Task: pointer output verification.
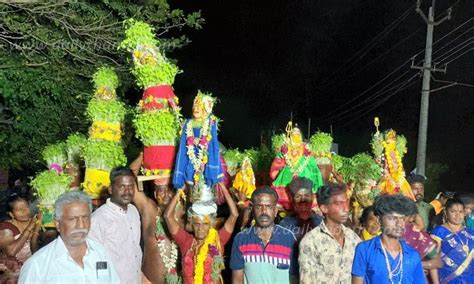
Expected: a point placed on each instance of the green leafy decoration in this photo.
(139, 38)
(376, 145)
(49, 186)
(401, 145)
(360, 167)
(137, 33)
(157, 127)
(320, 142)
(338, 162)
(277, 142)
(106, 110)
(261, 159)
(155, 75)
(104, 155)
(55, 154)
(234, 157)
(75, 144)
(105, 77)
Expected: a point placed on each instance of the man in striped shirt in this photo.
(264, 253)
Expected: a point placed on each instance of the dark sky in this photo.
(324, 61)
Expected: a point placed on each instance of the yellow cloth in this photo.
(244, 180)
(243, 186)
(367, 236)
(437, 206)
(95, 181)
(105, 131)
(388, 185)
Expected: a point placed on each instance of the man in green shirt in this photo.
(418, 189)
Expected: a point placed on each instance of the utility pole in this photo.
(425, 89)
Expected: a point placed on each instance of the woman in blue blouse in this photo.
(456, 244)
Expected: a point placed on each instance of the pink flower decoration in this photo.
(213, 251)
(189, 141)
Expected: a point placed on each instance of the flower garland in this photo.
(169, 254)
(394, 161)
(200, 160)
(210, 247)
(296, 172)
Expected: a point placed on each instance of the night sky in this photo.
(323, 60)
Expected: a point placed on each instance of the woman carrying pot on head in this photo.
(18, 238)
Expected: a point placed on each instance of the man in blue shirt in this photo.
(387, 258)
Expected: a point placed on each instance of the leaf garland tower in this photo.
(158, 120)
(103, 150)
(49, 184)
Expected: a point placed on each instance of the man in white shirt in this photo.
(116, 225)
(72, 257)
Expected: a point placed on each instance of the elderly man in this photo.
(264, 253)
(116, 225)
(73, 257)
(326, 253)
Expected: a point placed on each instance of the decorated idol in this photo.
(293, 160)
(389, 149)
(197, 162)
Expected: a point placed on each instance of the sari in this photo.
(10, 266)
(457, 253)
(420, 241)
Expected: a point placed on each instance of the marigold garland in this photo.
(212, 239)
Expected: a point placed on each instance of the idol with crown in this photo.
(293, 159)
(197, 162)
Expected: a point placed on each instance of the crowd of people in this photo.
(307, 221)
(163, 238)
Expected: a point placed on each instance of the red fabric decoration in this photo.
(161, 96)
(159, 157)
(283, 197)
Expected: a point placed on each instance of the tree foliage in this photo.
(49, 51)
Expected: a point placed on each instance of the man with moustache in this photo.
(73, 257)
(326, 253)
(417, 183)
(264, 253)
(387, 258)
(116, 225)
(303, 219)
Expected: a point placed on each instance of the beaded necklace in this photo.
(398, 270)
